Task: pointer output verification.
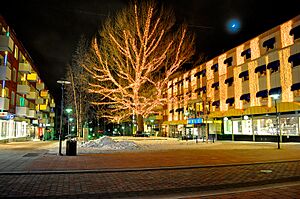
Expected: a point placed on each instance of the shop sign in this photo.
(195, 121)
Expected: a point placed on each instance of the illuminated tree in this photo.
(133, 58)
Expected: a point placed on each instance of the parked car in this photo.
(141, 134)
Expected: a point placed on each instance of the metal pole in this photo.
(61, 118)
(277, 125)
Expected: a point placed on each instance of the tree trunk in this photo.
(140, 123)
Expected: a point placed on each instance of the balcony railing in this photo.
(32, 77)
(5, 73)
(22, 111)
(44, 94)
(6, 43)
(24, 68)
(32, 113)
(23, 89)
(32, 95)
(40, 86)
(44, 107)
(4, 103)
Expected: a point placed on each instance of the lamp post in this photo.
(151, 126)
(62, 82)
(276, 97)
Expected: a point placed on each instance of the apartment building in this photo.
(26, 106)
(231, 95)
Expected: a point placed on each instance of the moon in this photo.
(233, 26)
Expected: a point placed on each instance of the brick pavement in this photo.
(159, 173)
(146, 183)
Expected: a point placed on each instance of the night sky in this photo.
(50, 29)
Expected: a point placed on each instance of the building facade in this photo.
(230, 96)
(26, 106)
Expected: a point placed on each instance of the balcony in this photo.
(5, 73)
(23, 89)
(4, 103)
(40, 101)
(262, 81)
(6, 43)
(22, 111)
(52, 114)
(32, 113)
(40, 86)
(32, 77)
(245, 87)
(32, 95)
(44, 108)
(25, 68)
(44, 94)
(275, 80)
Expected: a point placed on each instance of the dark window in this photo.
(215, 85)
(295, 87)
(273, 91)
(244, 75)
(216, 103)
(230, 101)
(229, 81)
(296, 32)
(269, 44)
(295, 59)
(263, 93)
(245, 97)
(274, 66)
(246, 53)
(215, 67)
(228, 61)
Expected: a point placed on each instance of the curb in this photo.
(121, 170)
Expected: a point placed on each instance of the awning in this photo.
(263, 93)
(244, 74)
(273, 64)
(273, 91)
(172, 111)
(214, 85)
(245, 97)
(216, 103)
(178, 122)
(228, 61)
(269, 44)
(256, 110)
(188, 79)
(295, 87)
(197, 90)
(230, 100)
(203, 72)
(233, 112)
(286, 107)
(229, 80)
(215, 114)
(215, 67)
(261, 68)
(296, 32)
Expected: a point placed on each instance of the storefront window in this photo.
(289, 126)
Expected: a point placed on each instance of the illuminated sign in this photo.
(195, 121)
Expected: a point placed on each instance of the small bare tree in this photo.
(133, 57)
(77, 95)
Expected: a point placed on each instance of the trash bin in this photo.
(71, 148)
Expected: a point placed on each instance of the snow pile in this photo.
(106, 143)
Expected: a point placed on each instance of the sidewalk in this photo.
(158, 172)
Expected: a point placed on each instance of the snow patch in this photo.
(107, 143)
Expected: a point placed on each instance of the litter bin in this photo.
(71, 148)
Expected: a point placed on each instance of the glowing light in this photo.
(286, 79)
(222, 85)
(233, 26)
(286, 38)
(255, 51)
(237, 87)
(253, 83)
(239, 58)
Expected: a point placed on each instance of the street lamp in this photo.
(276, 97)
(62, 82)
(151, 126)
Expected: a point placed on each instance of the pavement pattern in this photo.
(193, 173)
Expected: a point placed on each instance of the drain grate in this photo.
(31, 155)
